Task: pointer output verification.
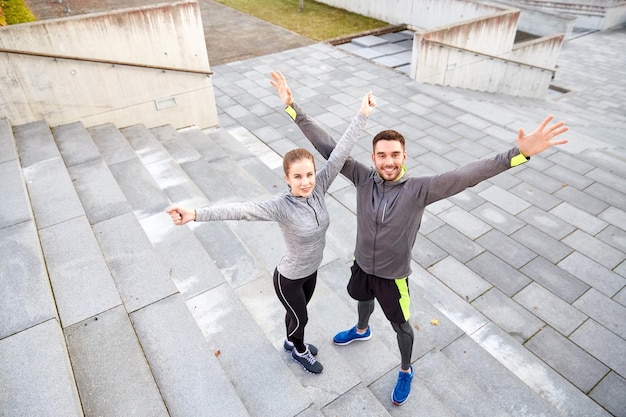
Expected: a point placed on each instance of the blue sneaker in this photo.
(403, 387)
(288, 346)
(349, 336)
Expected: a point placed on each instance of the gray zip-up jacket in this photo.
(302, 220)
(389, 213)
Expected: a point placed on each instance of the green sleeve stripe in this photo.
(518, 160)
(291, 112)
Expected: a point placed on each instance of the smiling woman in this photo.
(317, 21)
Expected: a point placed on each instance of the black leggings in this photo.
(295, 294)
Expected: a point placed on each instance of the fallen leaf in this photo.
(217, 352)
(434, 322)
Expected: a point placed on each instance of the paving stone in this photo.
(146, 146)
(518, 322)
(592, 273)
(455, 243)
(608, 393)
(607, 195)
(186, 371)
(459, 278)
(538, 179)
(75, 144)
(547, 383)
(210, 182)
(500, 384)
(498, 218)
(99, 193)
(8, 151)
(204, 144)
(535, 196)
(609, 179)
(140, 275)
(547, 222)
(464, 222)
(595, 249)
(35, 143)
(503, 276)
(175, 144)
(603, 344)
(614, 236)
(113, 146)
(426, 253)
(355, 402)
(603, 310)
(578, 218)
(555, 279)
(175, 184)
(221, 317)
(506, 248)
(15, 206)
(368, 41)
(581, 200)
(111, 372)
(504, 199)
(542, 244)
(571, 162)
(568, 177)
(82, 284)
(551, 309)
(27, 361)
(614, 216)
(576, 365)
(468, 199)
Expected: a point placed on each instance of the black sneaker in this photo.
(307, 360)
(288, 346)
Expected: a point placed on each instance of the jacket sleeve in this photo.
(265, 211)
(324, 143)
(452, 182)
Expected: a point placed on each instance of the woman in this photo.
(303, 219)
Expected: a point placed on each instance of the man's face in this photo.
(388, 159)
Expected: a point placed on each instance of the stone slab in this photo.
(541, 243)
(204, 144)
(8, 151)
(609, 392)
(27, 296)
(464, 222)
(111, 371)
(146, 146)
(595, 249)
(354, 403)
(505, 248)
(210, 182)
(27, 362)
(555, 279)
(455, 243)
(112, 144)
(187, 372)
(175, 144)
(15, 206)
(547, 222)
(504, 199)
(176, 184)
(502, 275)
(603, 344)
(593, 274)
(139, 273)
(498, 218)
(75, 144)
(35, 143)
(80, 278)
(462, 280)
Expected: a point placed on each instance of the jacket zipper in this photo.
(314, 212)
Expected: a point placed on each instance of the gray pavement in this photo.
(529, 266)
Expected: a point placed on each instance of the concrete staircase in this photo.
(109, 310)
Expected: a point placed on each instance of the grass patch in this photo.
(318, 21)
(15, 11)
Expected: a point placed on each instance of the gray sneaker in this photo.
(307, 360)
(288, 346)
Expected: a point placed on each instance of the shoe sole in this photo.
(398, 403)
(304, 367)
(289, 350)
(353, 340)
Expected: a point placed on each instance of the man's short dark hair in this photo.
(388, 135)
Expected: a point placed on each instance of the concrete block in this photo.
(146, 146)
(426, 253)
(542, 244)
(568, 359)
(188, 374)
(230, 143)
(571, 162)
(15, 206)
(442, 377)
(222, 318)
(99, 193)
(547, 383)
(113, 146)
(550, 308)
(462, 280)
(505, 248)
(546, 222)
(27, 296)
(614, 216)
(210, 182)
(175, 144)
(35, 143)
(498, 218)
(468, 199)
(464, 222)
(82, 283)
(603, 310)
(614, 236)
(607, 194)
(176, 184)
(532, 176)
(455, 243)
(8, 151)
(504, 199)
(52, 194)
(354, 402)
(609, 392)
(581, 200)
(535, 196)
(37, 378)
(368, 41)
(263, 240)
(142, 192)
(555, 279)
(568, 177)
(110, 368)
(595, 249)
(514, 319)
(594, 274)
(502, 275)
(500, 384)
(204, 144)
(140, 275)
(603, 344)
(75, 144)
(578, 218)
(609, 179)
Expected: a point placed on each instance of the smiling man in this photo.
(390, 205)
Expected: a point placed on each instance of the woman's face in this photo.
(301, 177)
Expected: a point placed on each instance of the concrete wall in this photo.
(169, 37)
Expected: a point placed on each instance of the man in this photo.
(390, 205)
